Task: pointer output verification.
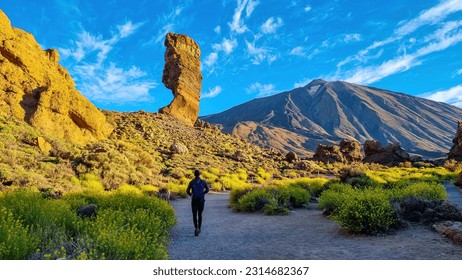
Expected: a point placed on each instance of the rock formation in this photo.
(34, 87)
(182, 74)
(450, 229)
(456, 150)
(391, 155)
(459, 180)
(347, 151)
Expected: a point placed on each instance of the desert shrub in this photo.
(415, 209)
(294, 197)
(254, 201)
(149, 189)
(215, 171)
(234, 181)
(273, 208)
(128, 189)
(424, 190)
(314, 185)
(334, 198)
(453, 166)
(236, 195)
(178, 189)
(368, 211)
(16, 242)
(91, 182)
(242, 174)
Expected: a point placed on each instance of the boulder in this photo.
(43, 145)
(34, 87)
(452, 230)
(392, 155)
(291, 157)
(182, 74)
(456, 150)
(459, 180)
(347, 151)
(179, 148)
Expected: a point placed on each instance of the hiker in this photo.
(197, 188)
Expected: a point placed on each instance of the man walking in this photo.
(197, 188)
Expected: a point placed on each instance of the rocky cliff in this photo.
(182, 74)
(456, 150)
(34, 87)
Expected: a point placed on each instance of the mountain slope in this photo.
(326, 112)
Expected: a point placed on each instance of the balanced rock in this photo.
(391, 155)
(34, 87)
(347, 151)
(182, 74)
(456, 150)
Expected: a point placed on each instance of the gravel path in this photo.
(304, 234)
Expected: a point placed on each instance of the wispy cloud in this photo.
(237, 25)
(303, 52)
(451, 96)
(348, 38)
(217, 29)
(211, 59)
(100, 79)
(271, 25)
(432, 16)
(308, 8)
(459, 72)
(262, 90)
(259, 54)
(227, 46)
(447, 36)
(212, 92)
(167, 24)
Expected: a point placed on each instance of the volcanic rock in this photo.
(43, 145)
(179, 148)
(452, 230)
(182, 74)
(347, 151)
(391, 155)
(291, 157)
(34, 87)
(456, 150)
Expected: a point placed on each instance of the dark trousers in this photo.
(197, 206)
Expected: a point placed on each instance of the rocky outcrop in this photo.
(291, 157)
(459, 180)
(456, 150)
(452, 230)
(182, 74)
(392, 155)
(347, 151)
(34, 87)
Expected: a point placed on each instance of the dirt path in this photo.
(304, 234)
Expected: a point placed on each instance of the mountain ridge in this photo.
(326, 112)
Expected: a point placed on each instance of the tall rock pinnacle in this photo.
(182, 74)
(34, 87)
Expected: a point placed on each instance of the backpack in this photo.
(197, 186)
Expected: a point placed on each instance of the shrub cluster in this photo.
(369, 209)
(270, 200)
(128, 225)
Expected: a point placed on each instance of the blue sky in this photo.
(250, 48)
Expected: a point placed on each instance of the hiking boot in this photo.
(196, 232)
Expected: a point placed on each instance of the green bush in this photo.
(368, 211)
(425, 190)
(128, 226)
(295, 197)
(254, 201)
(273, 208)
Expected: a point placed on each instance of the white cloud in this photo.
(217, 29)
(262, 90)
(303, 82)
(168, 23)
(451, 96)
(212, 92)
(100, 79)
(259, 54)
(308, 8)
(348, 38)
(211, 59)
(271, 25)
(459, 72)
(448, 35)
(113, 84)
(128, 28)
(238, 25)
(227, 46)
(432, 16)
(298, 51)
